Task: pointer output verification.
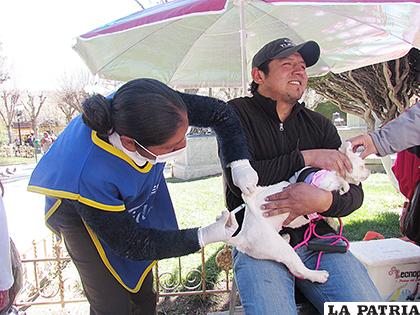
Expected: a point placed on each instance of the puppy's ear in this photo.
(345, 147)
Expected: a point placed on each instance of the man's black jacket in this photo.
(276, 146)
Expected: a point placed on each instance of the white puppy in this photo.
(259, 236)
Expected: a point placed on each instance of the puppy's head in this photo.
(360, 172)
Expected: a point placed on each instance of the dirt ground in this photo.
(197, 305)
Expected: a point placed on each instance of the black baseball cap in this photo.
(284, 47)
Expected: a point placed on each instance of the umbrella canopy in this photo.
(201, 43)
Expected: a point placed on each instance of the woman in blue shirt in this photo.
(107, 196)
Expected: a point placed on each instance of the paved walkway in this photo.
(13, 173)
(238, 311)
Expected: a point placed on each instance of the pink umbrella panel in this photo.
(200, 43)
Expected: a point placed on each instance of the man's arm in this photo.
(302, 199)
(278, 169)
(343, 205)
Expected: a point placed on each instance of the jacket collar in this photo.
(268, 105)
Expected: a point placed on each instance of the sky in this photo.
(37, 36)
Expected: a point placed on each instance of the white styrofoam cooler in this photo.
(393, 265)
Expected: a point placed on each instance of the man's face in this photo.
(286, 79)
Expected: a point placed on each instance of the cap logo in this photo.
(286, 43)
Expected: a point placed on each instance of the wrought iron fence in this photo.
(50, 277)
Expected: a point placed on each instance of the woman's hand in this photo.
(244, 176)
(219, 231)
(366, 142)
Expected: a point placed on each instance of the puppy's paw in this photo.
(320, 276)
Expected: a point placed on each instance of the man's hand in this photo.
(332, 160)
(297, 199)
(244, 176)
(365, 141)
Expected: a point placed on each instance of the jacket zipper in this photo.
(281, 127)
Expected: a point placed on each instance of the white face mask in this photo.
(162, 158)
(115, 140)
(168, 157)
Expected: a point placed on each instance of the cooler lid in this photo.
(385, 252)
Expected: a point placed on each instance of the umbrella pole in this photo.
(242, 34)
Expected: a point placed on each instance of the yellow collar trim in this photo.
(73, 196)
(109, 148)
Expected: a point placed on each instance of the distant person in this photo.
(46, 142)
(108, 198)
(52, 135)
(31, 139)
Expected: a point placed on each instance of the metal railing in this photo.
(51, 277)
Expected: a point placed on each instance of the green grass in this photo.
(379, 212)
(198, 202)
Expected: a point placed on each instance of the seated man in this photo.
(283, 137)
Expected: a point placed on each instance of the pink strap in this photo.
(311, 231)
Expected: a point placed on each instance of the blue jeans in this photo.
(267, 287)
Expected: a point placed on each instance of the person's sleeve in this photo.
(206, 111)
(331, 138)
(343, 205)
(283, 167)
(127, 239)
(269, 171)
(278, 169)
(399, 134)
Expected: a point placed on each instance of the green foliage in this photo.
(328, 108)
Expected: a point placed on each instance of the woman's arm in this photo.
(399, 134)
(206, 111)
(127, 239)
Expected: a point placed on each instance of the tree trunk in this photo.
(374, 93)
(10, 134)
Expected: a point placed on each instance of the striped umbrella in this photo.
(202, 43)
